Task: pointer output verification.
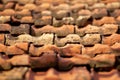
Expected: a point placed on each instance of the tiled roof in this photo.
(59, 39)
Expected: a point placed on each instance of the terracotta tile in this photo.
(9, 5)
(104, 60)
(2, 38)
(76, 7)
(104, 20)
(84, 12)
(25, 1)
(99, 13)
(61, 14)
(71, 75)
(30, 6)
(97, 6)
(24, 12)
(4, 65)
(5, 27)
(80, 60)
(116, 46)
(43, 6)
(7, 12)
(111, 75)
(2, 48)
(45, 49)
(18, 74)
(18, 48)
(27, 19)
(97, 49)
(110, 40)
(71, 50)
(20, 60)
(67, 29)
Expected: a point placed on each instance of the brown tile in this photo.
(22, 29)
(46, 60)
(64, 64)
(115, 13)
(43, 21)
(82, 20)
(99, 13)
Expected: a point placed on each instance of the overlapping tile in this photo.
(59, 39)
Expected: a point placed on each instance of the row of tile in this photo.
(106, 29)
(45, 39)
(58, 4)
(25, 54)
(67, 51)
(77, 73)
(49, 59)
(83, 18)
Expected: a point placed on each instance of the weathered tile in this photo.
(110, 40)
(20, 60)
(61, 31)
